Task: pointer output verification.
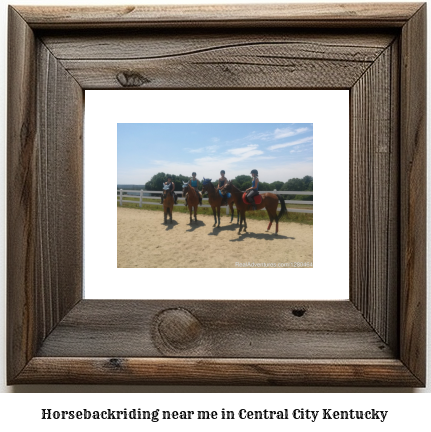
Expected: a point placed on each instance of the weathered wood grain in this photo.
(373, 222)
(266, 65)
(210, 60)
(21, 208)
(140, 44)
(45, 106)
(198, 371)
(267, 15)
(55, 337)
(235, 329)
(413, 194)
(59, 183)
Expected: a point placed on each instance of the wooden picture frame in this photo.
(376, 338)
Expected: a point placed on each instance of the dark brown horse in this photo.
(216, 200)
(269, 202)
(192, 199)
(168, 203)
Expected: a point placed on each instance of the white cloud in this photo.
(274, 135)
(290, 144)
(288, 132)
(243, 150)
(197, 150)
(209, 149)
(212, 149)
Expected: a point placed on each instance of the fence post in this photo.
(121, 197)
(140, 198)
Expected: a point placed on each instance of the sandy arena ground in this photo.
(144, 241)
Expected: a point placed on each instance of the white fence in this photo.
(121, 200)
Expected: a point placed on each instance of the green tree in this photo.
(276, 185)
(294, 184)
(307, 180)
(264, 186)
(241, 180)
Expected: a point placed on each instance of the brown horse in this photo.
(192, 199)
(215, 201)
(269, 202)
(168, 204)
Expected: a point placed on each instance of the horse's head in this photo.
(165, 189)
(206, 184)
(227, 186)
(185, 188)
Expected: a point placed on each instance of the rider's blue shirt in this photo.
(253, 183)
(194, 183)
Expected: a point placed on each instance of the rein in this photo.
(235, 190)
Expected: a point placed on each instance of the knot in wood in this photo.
(178, 328)
(298, 312)
(131, 79)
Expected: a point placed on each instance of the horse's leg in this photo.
(231, 212)
(245, 223)
(190, 210)
(215, 219)
(170, 213)
(196, 209)
(271, 219)
(275, 217)
(240, 224)
(218, 216)
(164, 211)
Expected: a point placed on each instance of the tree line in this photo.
(242, 182)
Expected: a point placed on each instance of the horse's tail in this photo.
(283, 210)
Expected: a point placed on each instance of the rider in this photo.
(171, 185)
(254, 190)
(221, 182)
(194, 183)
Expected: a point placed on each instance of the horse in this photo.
(269, 202)
(192, 199)
(168, 203)
(215, 200)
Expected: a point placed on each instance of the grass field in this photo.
(303, 218)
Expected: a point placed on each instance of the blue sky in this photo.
(279, 151)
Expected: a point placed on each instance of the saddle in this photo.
(257, 199)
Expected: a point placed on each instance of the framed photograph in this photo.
(376, 337)
(145, 137)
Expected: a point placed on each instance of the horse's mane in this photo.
(191, 189)
(235, 189)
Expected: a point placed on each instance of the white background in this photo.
(329, 113)
(23, 410)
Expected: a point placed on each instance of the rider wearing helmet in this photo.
(254, 190)
(194, 183)
(171, 185)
